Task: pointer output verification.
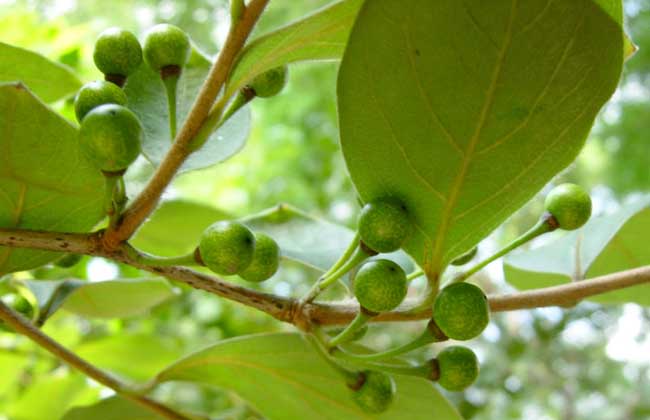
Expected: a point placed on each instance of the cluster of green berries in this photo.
(230, 248)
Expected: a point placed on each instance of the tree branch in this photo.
(289, 309)
(146, 201)
(24, 327)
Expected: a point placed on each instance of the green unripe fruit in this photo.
(166, 45)
(110, 137)
(384, 225)
(465, 258)
(266, 259)
(458, 368)
(570, 205)
(117, 52)
(68, 260)
(380, 285)
(97, 93)
(269, 83)
(19, 304)
(376, 393)
(461, 311)
(227, 247)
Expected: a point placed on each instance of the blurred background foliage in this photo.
(584, 362)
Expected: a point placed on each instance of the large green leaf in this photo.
(606, 244)
(136, 356)
(113, 408)
(147, 98)
(321, 36)
(50, 81)
(118, 298)
(465, 109)
(11, 366)
(45, 182)
(282, 376)
(309, 240)
(160, 234)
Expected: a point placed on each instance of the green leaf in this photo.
(45, 182)
(465, 126)
(160, 234)
(282, 377)
(606, 244)
(113, 408)
(136, 356)
(309, 240)
(50, 81)
(321, 36)
(147, 98)
(119, 298)
(50, 295)
(50, 396)
(11, 366)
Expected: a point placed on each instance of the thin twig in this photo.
(289, 309)
(22, 326)
(146, 201)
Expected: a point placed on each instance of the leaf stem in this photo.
(24, 327)
(544, 225)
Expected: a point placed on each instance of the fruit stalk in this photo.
(347, 334)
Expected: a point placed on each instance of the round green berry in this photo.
(117, 52)
(166, 45)
(380, 285)
(465, 258)
(110, 136)
(458, 368)
(384, 225)
(227, 247)
(266, 259)
(97, 93)
(376, 392)
(269, 83)
(461, 311)
(570, 205)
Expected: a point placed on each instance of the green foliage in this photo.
(376, 393)
(570, 205)
(48, 80)
(384, 225)
(112, 408)
(458, 368)
(606, 244)
(147, 98)
(110, 137)
(269, 83)
(117, 52)
(465, 258)
(461, 311)
(380, 285)
(45, 182)
(96, 93)
(291, 380)
(266, 259)
(227, 247)
(470, 109)
(166, 45)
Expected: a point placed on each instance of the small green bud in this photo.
(570, 205)
(384, 225)
(458, 368)
(227, 247)
(117, 52)
(166, 46)
(376, 392)
(97, 93)
(465, 258)
(461, 311)
(269, 83)
(266, 259)
(380, 285)
(68, 260)
(110, 136)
